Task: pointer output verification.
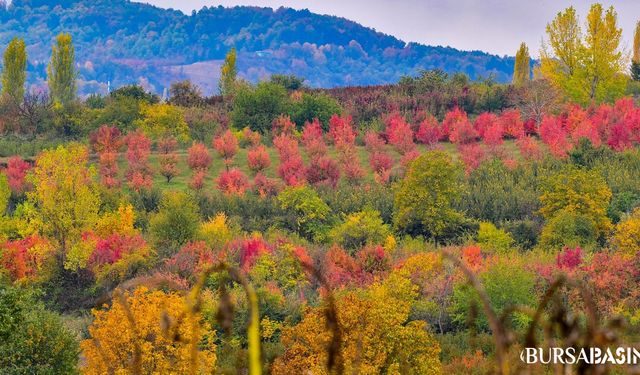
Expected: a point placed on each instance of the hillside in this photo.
(122, 42)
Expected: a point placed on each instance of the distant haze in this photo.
(495, 26)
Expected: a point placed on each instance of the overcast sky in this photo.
(496, 26)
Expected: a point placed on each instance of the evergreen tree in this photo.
(228, 74)
(15, 70)
(61, 71)
(635, 62)
(522, 67)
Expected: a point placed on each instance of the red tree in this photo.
(324, 171)
(399, 133)
(429, 132)
(16, 172)
(139, 174)
(457, 125)
(313, 139)
(168, 158)
(232, 182)
(555, 136)
(258, 159)
(227, 146)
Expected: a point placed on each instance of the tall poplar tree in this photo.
(522, 67)
(635, 61)
(587, 67)
(14, 74)
(62, 71)
(228, 74)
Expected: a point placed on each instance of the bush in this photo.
(360, 229)
(33, 340)
(175, 224)
(258, 107)
(304, 211)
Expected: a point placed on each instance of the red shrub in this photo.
(139, 174)
(555, 136)
(399, 133)
(113, 248)
(168, 159)
(191, 260)
(381, 164)
(429, 132)
(283, 125)
(106, 139)
(340, 268)
(197, 179)
(457, 125)
(23, 258)
(250, 250)
(233, 182)
(313, 139)
(324, 171)
(16, 172)
(529, 148)
(258, 159)
(484, 121)
(227, 146)
(373, 142)
(512, 124)
(341, 131)
(472, 155)
(198, 157)
(264, 186)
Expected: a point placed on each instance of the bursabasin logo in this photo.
(574, 356)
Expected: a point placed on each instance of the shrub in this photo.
(360, 229)
(232, 182)
(198, 158)
(258, 159)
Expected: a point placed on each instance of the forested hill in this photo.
(125, 42)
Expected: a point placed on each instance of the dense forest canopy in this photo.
(123, 42)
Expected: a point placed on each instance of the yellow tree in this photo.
(228, 74)
(586, 67)
(635, 61)
(522, 67)
(64, 201)
(149, 332)
(381, 340)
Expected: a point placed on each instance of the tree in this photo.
(65, 200)
(160, 328)
(635, 61)
(33, 340)
(507, 283)
(228, 74)
(590, 68)
(168, 158)
(14, 74)
(424, 199)
(61, 72)
(578, 191)
(360, 229)
(382, 341)
(227, 147)
(522, 66)
(176, 223)
(305, 212)
(185, 94)
(258, 107)
(163, 120)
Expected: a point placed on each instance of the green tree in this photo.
(578, 191)
(258, 107)
(587, 68)
(424, 199)
(176, 223)
(5, 193)
(61, 73)
(312, 106)
(360, 229)
(507, 283)
(14, 74)
(304, 211)
(33, 340)
(635, 61)
(228, 74)
(522, 67)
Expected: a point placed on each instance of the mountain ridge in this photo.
(123, 42)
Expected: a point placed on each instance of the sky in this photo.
(495, 26)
